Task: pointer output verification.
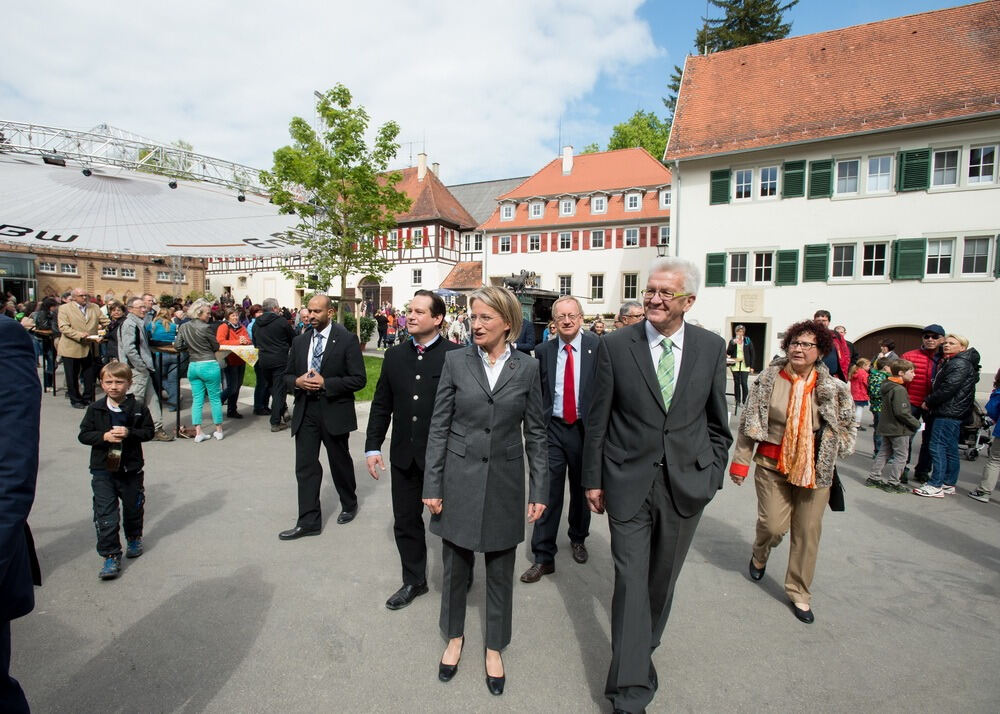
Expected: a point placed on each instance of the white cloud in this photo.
(485, 84)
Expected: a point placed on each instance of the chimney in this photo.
(567, 157)
(421, 166)
(435, 167)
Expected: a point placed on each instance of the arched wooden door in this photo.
(906, 338)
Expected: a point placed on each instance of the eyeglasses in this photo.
(632, 317)
(931, 336)
(482, 319)
(569, 317)
(802, 345)
(665, 295)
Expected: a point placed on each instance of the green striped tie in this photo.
(665, 372)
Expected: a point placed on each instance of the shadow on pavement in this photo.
(179, 517)
(177, 657)
(581, 589)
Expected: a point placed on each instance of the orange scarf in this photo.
(797, 445)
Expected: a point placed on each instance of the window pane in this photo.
(597, 239)
(596, 287)
(981, 162)
(879, 168)
(843, 261)
(631, 237)
(504, 244)
(847, 176)
(945, 168)
(665, 235)
(565, 284)
(565, 241)
(939, 257)
(873, 262)
(975, 257)
(630, 289)
(534, 243)
(769, 181)
(744, 180)
(762, 268)
(738, 268)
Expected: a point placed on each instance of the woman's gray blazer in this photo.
(475, 456)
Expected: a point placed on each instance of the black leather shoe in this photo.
(298, 532)
(447, 671)
(536, 571)
(495, 684)
(805, 616)
(579, 552)
(347, 516)
(405, 595)
(234, 415)
(755, 572)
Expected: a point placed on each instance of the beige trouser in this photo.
(781, 506)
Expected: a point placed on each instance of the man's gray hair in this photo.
(692, 276)
(269, 304)
(629, 305)
(567, 298)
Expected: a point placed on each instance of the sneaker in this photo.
(872, 482)
(202, 437)
(133, 548)
(948, 490)
(980, 495)
(218, 435)
(161, 435)
(112, 568)
(928, 491)
(279, 427)
(895, 488)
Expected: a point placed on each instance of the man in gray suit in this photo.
(656, 446)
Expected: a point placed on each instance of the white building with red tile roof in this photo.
(587, 225)
(855, 171)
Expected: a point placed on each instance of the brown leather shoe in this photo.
(579, 552)
(536, 571)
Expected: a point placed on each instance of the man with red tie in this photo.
(566, 368)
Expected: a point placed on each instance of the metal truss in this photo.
(106, 145)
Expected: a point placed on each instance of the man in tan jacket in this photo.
(79, 322)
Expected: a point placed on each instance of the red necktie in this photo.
(569, 389)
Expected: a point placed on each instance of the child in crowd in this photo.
(895, 425)
(876, 376)
(992, 468)
(858, 377)
(115, 427)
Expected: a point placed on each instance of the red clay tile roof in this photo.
(431, 201)
(464, 276)
(649, 209)
(902, 72)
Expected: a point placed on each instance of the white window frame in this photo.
(602, 208)
(625, 286)
(477, 242)
(565, 284)
(775, 184)
(869, 189)
(417, 238)
(743, 179)
(536, 238)
(536, 209)
(163, 276)
(745, 268)
(771, 267)
(466, 242)
(506, 211)
(834, 260)
(664, 235)
(45, 266)
(884, 244)
(843, 166)
(625, 238)
(394, 235)
(665, 197)
(568, 235)
(951, 241)
(417, 276)
(567, 207)
(500, 244)
(597, 286)
(109, 271)
(990, 241)
(630, 197)
(981, 179)
(68, 269)
(127, 273)
(957, 167)
(593, 244)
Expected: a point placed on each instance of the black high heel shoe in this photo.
(495, 684)
(447, 671)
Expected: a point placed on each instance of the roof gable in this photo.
(896, 73)
(432, 201)
(600, 171)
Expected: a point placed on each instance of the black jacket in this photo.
(405, 395)
(273, 336)
(954, 389)
(97, 421)
(748, 354)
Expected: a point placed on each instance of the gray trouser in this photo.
(897, 446)
(145, 393)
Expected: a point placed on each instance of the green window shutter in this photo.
(913, 170)
(816, 263)
(720, 187)
(821, 178)
(788, 268)
(996, 259)
(793, 181)
(715, 270)
(908, 256)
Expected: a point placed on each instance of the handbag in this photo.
(836, 501)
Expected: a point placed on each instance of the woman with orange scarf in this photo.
(801, 419)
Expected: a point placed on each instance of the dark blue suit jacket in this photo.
(20, 406)
(547, 353)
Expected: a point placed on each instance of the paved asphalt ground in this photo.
(221, 616)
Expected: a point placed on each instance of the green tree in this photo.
(157, 161)
(744, 22)
(340, 190)
(591, 148)
(643, 129)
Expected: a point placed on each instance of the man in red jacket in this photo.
(925, 361)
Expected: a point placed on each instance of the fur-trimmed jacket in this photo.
(764, 420)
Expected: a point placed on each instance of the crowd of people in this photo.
(635, 419)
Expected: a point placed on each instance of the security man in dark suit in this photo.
(325, 368)
(566, 369)
(405, 396)
(655, 451)
(20, 406)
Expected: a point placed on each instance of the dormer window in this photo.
(665, 198)
(507, 212)
(536, 210)
(599, 204)
(632, 202)
(567, 207)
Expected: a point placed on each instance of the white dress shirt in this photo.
(655, 350)
(557, 399)
(493, 371)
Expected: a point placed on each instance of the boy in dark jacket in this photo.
(896, 425)
(114, 428)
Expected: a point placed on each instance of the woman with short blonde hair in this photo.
(505, 303)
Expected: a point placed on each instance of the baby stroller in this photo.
(390, 337)
(975, 433)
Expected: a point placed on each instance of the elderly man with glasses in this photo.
(630, 312)
(566, 368)
(134, 350)
(80, 322)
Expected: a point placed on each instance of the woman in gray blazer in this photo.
(474, 474)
